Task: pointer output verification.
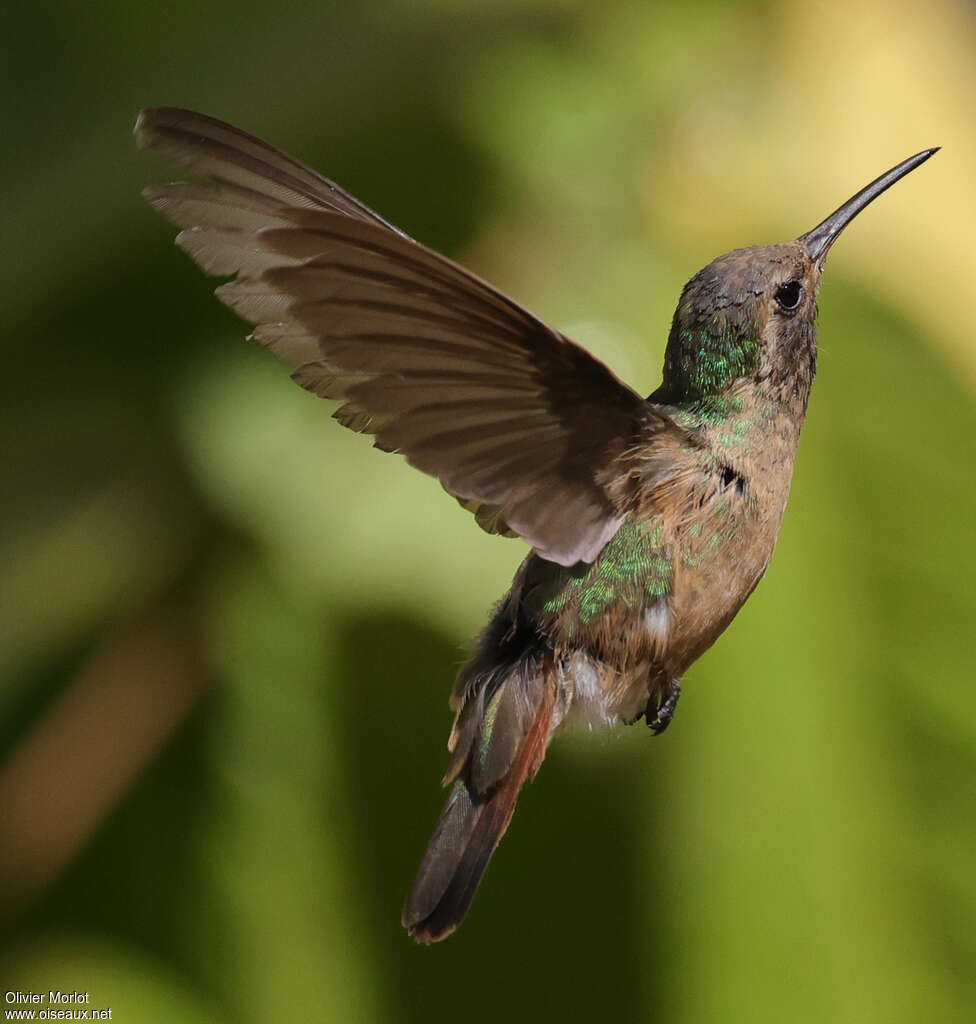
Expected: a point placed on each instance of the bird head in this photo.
(750, 315)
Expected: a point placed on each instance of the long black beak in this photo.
(821, 238)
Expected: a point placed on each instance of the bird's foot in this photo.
(659, 718)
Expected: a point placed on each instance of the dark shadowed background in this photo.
(228, 628)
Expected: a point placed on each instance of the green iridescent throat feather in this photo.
(702, 363)
(737, 419)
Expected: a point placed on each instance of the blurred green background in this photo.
(228, 628)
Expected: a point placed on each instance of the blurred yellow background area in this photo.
(228, 628)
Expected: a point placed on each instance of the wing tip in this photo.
(152, 122)
(148, 122)
(141, 128)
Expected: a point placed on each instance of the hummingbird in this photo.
(650, 521)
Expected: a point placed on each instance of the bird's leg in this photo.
(661, 707)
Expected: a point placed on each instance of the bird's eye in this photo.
(788, 295)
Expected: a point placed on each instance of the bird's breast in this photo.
(660, 593)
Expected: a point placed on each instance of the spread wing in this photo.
(520, 424)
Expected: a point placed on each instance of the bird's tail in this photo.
(498, 742)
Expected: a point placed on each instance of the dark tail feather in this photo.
(469, 830)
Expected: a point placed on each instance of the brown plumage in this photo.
(477, 812)
(431, 360)
(650, 520)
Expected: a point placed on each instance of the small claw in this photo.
(665, 710)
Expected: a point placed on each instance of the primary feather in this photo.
(517, 421)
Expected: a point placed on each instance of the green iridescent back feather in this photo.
(635, 568)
